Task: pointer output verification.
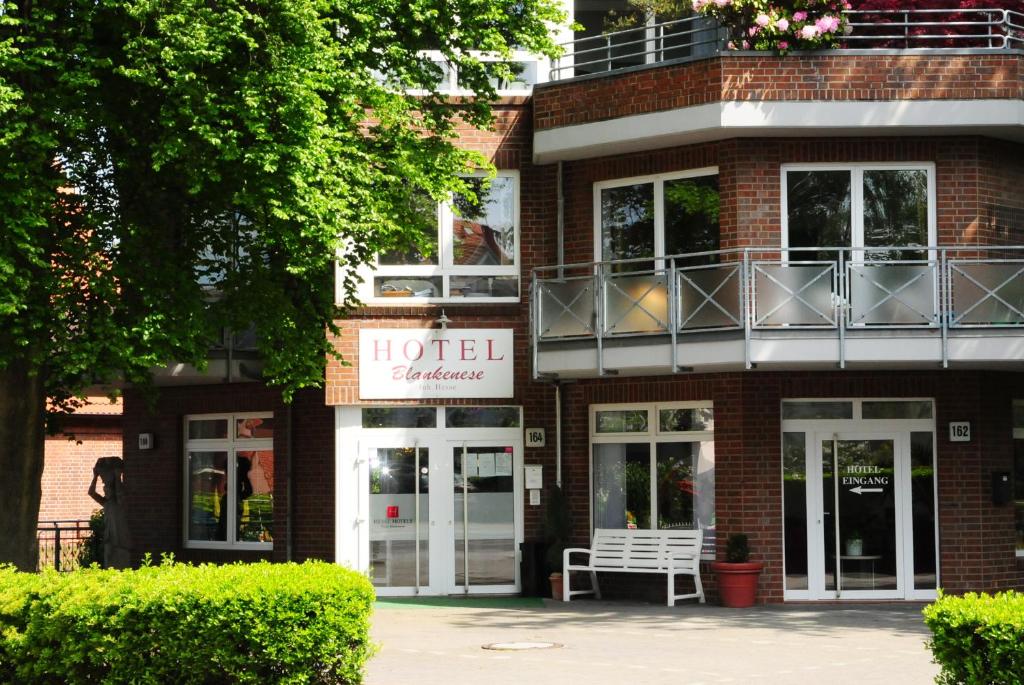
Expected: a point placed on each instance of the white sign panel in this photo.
(534, 477)
(403, 363)
(959, 431)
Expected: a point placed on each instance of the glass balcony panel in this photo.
(636, 303)
(793, 295)
(892, 294)
(566, 308)
(709, 297)
(987, 294)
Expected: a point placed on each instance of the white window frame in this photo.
(653, 435)
(659, 204)
(536, 72)
(857, 196)
(444, 268)
(1018, 434)
(232, 446)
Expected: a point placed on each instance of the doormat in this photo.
(521, 603)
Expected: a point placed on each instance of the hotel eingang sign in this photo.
(404, 363)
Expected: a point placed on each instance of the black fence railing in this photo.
(65, 545)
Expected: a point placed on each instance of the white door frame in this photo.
(352, 511)
(815, 431)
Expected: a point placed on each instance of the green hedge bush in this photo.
(978, 639)
(175, 623)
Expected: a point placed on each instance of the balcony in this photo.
(797, 308)
(901, 72)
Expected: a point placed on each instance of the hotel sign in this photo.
(417, 363)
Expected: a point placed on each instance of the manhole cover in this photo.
(516, 646)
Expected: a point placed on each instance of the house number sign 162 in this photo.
(959, 431)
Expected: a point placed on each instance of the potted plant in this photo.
(737, 575)
(557, 529)
(854, 544)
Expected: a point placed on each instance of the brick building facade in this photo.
(741, 421)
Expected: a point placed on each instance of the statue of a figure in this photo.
(116, 538)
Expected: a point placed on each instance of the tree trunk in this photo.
(22, 440)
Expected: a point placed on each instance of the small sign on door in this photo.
(392, 512)
(959, 431)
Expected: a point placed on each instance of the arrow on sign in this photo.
(861, 490)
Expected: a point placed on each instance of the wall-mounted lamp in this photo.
(442, 321)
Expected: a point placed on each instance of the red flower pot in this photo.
(737, 583)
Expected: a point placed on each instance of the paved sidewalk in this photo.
(621, 643)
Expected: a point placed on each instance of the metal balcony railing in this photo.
(692, 38)
(63, 544)
(841, 289)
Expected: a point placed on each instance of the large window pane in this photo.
(922, 484)
(482, 417)
(896, 211)
(685, 481)
(484, 227)
(396, 500)
(254, 495)
(208, 429)
(818, 207)
(627, 224)
(622, 421)
(622, 486)
(208, 496)
(691, 215)
(399, 417)
(422, 217)
(1018, 492)
(794, 504)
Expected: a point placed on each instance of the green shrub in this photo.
(978, 639)
(175, 623)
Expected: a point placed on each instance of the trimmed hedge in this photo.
(978, 639)
(175, 623)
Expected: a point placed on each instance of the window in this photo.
(859, 205)
(229, 476)
(474, 253)
(653, 466)
(670, 214)
(1018, 473)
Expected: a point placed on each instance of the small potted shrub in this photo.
(737, 575)
(557, 529)
(854, 544)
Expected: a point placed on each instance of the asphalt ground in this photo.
(428, 641)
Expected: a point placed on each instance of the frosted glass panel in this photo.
(794, 295)
(902, 294)
(709, 297)
(566, 308)
(988, 294)
(636, 303)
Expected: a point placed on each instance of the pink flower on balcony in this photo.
(697, 4)
(827, 24)
(721, 3)
(808, 32)
(752, 31)
(783, 24)
(763, 20)
(783, 45)
(746, 45)
(799, 16)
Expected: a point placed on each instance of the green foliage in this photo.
(737, 549)
(557, 528)
(258, 623)
(217, 158)
(978, 639)
(92, 548)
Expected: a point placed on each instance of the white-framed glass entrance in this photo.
(810, 583)
(439, 533)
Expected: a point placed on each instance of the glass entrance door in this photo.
(485, 492)
(860, 510)
(399, 516)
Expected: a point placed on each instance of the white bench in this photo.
(672, 552)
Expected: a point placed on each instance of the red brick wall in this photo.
(976, 537)
(155, 478)
(68, 462)
(734, 77)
